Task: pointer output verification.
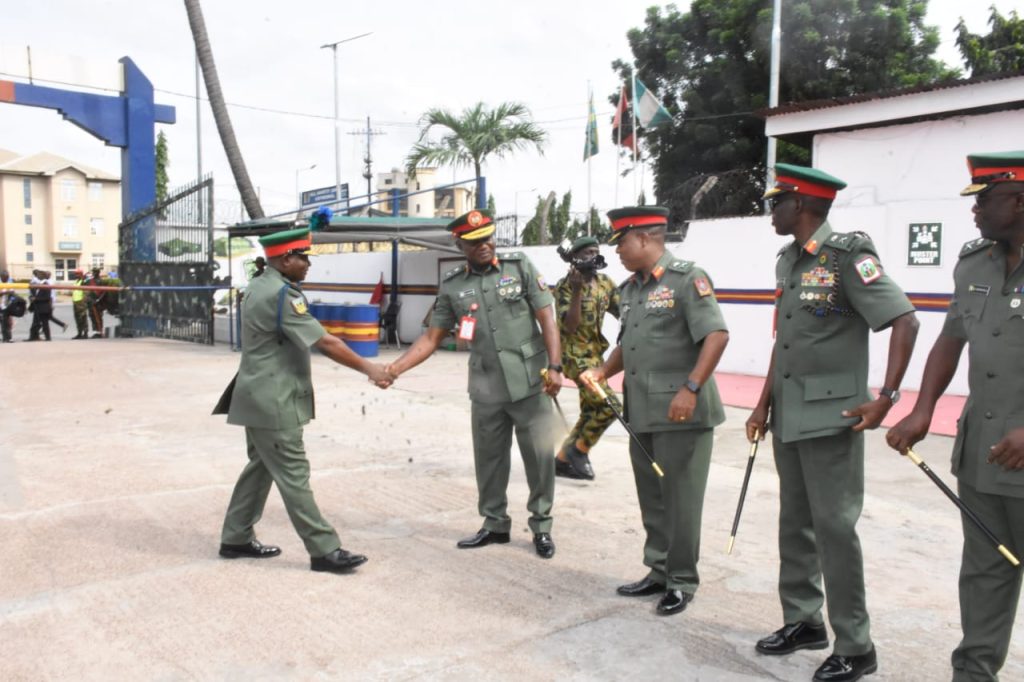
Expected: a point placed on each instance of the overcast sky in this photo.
(445, 53)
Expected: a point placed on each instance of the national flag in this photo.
(649, 112)
(378, 292)
(590, 146)
(622, 126)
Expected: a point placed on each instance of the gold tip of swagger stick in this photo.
(732, 541)
(1009, 555)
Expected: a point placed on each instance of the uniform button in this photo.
(988, 415)
(636, 324)
(488, 308)
(786, 375)
(633, 372)
(990, 375)
(785, 346)
(632, 347)
(792, 285)
(499, 350)
(789, 316)
(995, 332)
(484, 289)
(494, 329)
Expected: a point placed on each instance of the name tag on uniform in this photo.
(982, 289)
(467, 327)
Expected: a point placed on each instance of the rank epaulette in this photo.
(454, 271)
(975, 245)
(511, 255)
(846, 241)
(680, 265)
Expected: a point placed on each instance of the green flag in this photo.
(590, 148)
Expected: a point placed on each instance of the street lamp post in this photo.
(337, 123)
(298, 192)
(516, 206)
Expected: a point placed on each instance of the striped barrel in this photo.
(332, 317)
(362, 329)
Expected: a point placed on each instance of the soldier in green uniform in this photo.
(496, 302)
(830, 290)
(582, 298)
(272, 397)
(987, 314)
(672, 338)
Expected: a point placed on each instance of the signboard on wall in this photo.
(925, 244)
(326, 195)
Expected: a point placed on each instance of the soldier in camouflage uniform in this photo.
(582, 298)
(503, 307)
(987, 315)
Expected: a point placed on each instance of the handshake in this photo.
(382, 376)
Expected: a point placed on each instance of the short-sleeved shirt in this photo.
(987, 311)
(597, 297)
(828, 294)
(274, 386)
(664, 320)
(507, 352)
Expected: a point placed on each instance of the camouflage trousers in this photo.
(595, 415)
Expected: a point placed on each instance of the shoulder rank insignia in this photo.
(299, 305)
(975, 245)
(511, 255)
(843, 241)
(454, 271)
(868, 269)
(680, 265)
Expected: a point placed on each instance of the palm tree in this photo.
(220, 111)
(474, 135)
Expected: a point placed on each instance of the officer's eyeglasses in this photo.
(775, 201)
(985, 198)
(298, 254)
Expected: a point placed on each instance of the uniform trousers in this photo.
(821, 489)
(493, 424)
(989, 585)
(277, 456)
(671, 507)
(595, 415)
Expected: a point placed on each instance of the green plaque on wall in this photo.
(925, 246)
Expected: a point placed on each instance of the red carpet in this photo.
(743, 390)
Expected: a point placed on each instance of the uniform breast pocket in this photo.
(1013, 327)
(825, 398)
(515, 303)
(1015, 476)
(662, 320)
(971, 309)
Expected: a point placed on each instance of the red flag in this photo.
(378, 292)
(622, 125)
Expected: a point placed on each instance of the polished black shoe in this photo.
(673, 602)
(846, 668)
(580, 461)
(250, 550)
(338, 561)
(792, 638)
(544, 544)
(565, 469)
(641, 588)
(483, 537)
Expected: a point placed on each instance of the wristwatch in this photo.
(692, 386)
(893, 394)
(555, 368)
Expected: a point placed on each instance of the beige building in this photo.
(56, 215)
(425, 202)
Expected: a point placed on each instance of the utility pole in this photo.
(368, 159)
(337, 124)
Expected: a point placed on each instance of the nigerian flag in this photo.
(590, 147)
(649, 112)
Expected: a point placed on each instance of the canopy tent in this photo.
(426, 232)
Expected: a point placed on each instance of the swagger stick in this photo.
(596, 388)
(743, 493)
(558, 406)
(964, 509)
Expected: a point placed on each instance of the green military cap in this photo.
(804, 180)
(582, 243)
(298, 240)
(625, 219)
(990, 169)
(477, 224)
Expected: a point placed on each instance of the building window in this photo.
(64, 268)
(58, 270)
(70, 226)
(387, 181)
(26, 185)
(28, 218)
(96, 227)
(68, 189)
(417, 208)
(29, 257)
(97, 261)
(95, 191)
(28, 239)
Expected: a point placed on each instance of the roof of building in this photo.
(45, 163)
(798, 121)
(7, 155)
(426, 232)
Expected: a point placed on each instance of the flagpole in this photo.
(636, 134)
(618, 148)
(590, 156)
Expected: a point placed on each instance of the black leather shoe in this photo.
(483, 537)
(847, 668)
(641, 588)
(544, 544)
(338, 561)
(567, 470)
(792, 638)
(580, 462)
(251, 550)
(673, 602)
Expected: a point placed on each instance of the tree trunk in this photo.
(220, 111)
(542, 235)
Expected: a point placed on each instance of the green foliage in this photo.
(491, 205)
(1001, 51)
(562, 223)
(473, 136)
(710, 67)
(239, 246)
(162, 164)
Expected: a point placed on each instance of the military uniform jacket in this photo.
(664, 321)
(597, 297)
(828, 295)
(987, 311)
(507, 350)
(274, 387)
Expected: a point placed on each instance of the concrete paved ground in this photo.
(114, 479)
